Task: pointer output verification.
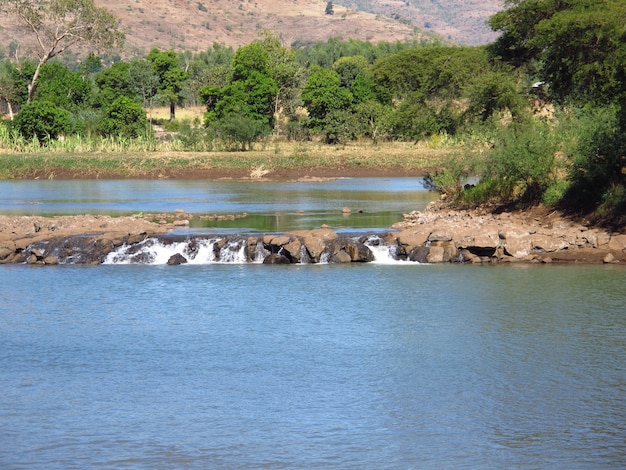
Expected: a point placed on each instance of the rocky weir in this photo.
(435, 235)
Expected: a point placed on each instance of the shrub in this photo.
(520, 168)
(42, 120)
(240, 131)
(124, 117)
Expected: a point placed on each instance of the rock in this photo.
(617, 243)
(412, 238)
(181, 223)
(359, 252)
(435, 254)
(276, 240)
(51, 260)
(609, 258)
(346, 210)
(546, 244)
(419, 254)
(5, 252)
(176, 259)
(294, 248)
(341, 257)
(439, 237)
(275, 258)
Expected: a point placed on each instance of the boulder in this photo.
(412, 238)
(435, 254)
(359, 252)
(341, 257)
(275, 258)
(543, 243)
(617, 243)
(176, 259)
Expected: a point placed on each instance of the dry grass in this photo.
(185, 114)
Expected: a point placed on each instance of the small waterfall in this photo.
(233, 252)
(195, 251)
(383, 253)
(304, 255)
(260, 252)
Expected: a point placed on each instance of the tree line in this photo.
(568, 56)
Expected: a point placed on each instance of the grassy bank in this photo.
(276, 159)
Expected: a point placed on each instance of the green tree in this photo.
(323, 94)
(577, 46)
(288, 75)
(251, 92)
(43, 120)
(63, 87)
(144, 80)
(59, 25)
(113, 82)
(171, 78)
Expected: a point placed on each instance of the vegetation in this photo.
(540, 113)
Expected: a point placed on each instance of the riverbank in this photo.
(277, 161)
(435, 235)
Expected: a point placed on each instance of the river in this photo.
(367, 366)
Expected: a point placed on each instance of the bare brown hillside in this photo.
(196, 24)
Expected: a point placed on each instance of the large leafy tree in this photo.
(114, 82)
(577, 46)
(58, 25)
(251, 91)
(326, 100)
(172, 77)
(62, 87)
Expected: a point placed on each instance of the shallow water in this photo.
(271, 206)
(306, 366)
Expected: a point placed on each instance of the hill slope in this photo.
(196, 24)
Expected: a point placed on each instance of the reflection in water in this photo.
(272, 206)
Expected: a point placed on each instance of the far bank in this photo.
(280, 160)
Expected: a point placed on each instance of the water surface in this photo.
(271, 206)
(341, 367)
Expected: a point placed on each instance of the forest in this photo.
(545, 103)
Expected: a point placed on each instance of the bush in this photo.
(520, 168)
(42, 120)
(239, 131)
(125, 118)
(598, 156)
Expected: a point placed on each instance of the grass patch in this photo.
(272, 156)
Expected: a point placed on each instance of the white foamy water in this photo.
(198, 251)
(385, 254)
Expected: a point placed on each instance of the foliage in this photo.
(520, 168)
(42, 120)
(579, 45)
(323, 94)
(9, 82)
(598, 157)
(124, 117)
(171, 78)
(59, 25)
(240, 131)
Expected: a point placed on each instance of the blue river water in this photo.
(248, 366)
(308, 366)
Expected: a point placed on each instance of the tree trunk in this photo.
(172, 111)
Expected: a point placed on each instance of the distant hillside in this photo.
(196, 24)
(463, 21)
